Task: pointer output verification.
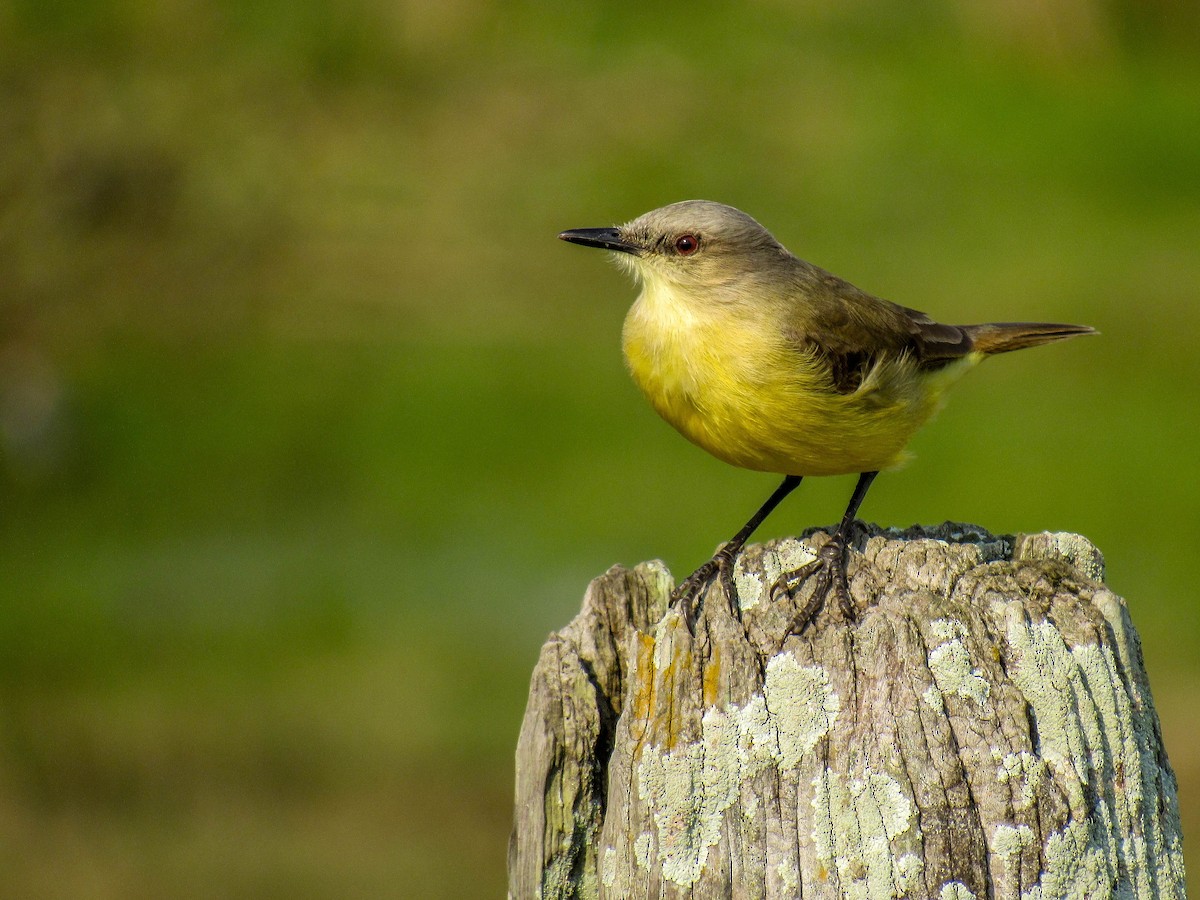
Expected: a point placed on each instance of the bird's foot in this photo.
(830, 569)
(689, 591)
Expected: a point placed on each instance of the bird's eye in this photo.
(687, 244)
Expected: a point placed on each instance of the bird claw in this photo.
(689, 591)
(830, 569)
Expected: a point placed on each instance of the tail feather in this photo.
(1000, 337)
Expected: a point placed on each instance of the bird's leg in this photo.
(689, 590)
(829, 566)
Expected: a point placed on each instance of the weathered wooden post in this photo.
(985, 730)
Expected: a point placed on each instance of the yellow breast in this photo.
(725, 377)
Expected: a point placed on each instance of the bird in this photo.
(773, 364)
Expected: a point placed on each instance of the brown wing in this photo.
(853, 330)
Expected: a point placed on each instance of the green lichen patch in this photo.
(1098, 744)
(952, 667)
(783, 556)
(689, 787)
(855, 821)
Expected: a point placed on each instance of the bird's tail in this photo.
(1000, 337)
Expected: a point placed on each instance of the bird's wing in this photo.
(853, 330)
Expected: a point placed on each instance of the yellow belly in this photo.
(738, 391)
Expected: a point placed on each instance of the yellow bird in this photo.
(773, 364)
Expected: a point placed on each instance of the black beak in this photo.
(604, 238)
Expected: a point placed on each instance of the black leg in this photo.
(830, 565)
(722, 563)
(856, 499)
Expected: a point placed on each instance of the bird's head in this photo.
(694, 243)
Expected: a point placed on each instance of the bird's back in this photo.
(853, 329)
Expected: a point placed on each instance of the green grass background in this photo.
(310, 431)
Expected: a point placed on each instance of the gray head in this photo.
(694, 242)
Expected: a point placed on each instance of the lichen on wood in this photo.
(983, 729)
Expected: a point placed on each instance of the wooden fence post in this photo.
(984, 730)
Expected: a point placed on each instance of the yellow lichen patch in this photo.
(643, 682)
(661, 659)
(712, 677)
(666, 723)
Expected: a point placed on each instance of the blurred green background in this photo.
(310, 430)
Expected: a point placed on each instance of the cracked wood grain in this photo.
(984, 730)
